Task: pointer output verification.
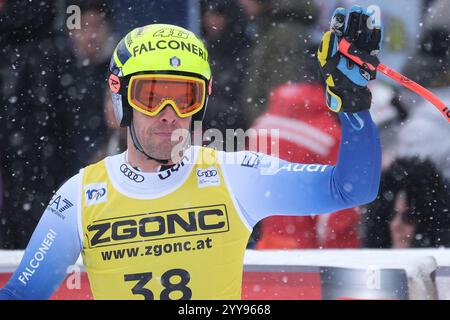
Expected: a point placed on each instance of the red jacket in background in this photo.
(309, 133)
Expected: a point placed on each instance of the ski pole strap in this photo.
(366, 61)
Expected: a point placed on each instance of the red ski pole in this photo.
(344, 46)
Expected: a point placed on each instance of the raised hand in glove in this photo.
(347, 82)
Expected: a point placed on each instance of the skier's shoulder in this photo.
(100, 162)
(74, 182)
(70, 186)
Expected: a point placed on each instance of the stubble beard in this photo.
(162, 147)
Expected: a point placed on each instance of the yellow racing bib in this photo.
(188, 244)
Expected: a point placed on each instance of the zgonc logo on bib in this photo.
(150, 226)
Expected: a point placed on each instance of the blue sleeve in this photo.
(54, 246)
(302, 189)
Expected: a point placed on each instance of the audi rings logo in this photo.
(207, 173)
(130, 174)
(208, 177)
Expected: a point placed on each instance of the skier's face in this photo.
(159, 135)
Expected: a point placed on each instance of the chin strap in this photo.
(139, 148)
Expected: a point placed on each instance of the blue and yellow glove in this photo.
(346, 81)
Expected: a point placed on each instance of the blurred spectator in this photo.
(34, 77)
(253, 9)
(130, 14)
(228, 46)
(412, 209)
(280, 52)
(308, 134)
(430, 66)
(425, 133)
(93, 45)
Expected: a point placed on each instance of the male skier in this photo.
(151, 227)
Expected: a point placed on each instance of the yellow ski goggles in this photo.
(150, 93)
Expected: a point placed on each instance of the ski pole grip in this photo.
(347, 50)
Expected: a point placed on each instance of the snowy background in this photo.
(56, 117)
